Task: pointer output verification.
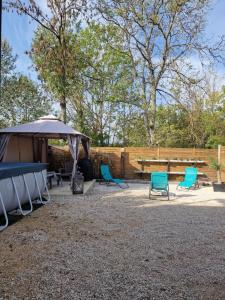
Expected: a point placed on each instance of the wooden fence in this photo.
(126, 162)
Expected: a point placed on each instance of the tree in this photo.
(130, 130)
(62, 16)
(7, 68)
(214, 118)
(198, 121)
(21, 99)
(172, 127)
(161, 35)
(104, 82)
(203, 109)
(45, 54)
(8, 61)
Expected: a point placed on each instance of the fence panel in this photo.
(124, 161)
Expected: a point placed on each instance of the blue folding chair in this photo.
(159, 183)
(190, 179)
(106, 175)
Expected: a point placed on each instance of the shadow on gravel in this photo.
(14, 217)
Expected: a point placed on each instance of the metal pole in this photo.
(219, 164)
(219, 154)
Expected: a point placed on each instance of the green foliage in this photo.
(57, 142)
(105, 102)
(112, 74)
(178, 127)
(215, 165)
(218, 167)
(171, 126)
(160, 36)
(56, 63)
(105, 82)
(52, 47)
(8, 61)
(21, 99)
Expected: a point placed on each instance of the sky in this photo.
(19, 30)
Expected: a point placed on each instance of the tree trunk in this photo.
(80, 119)
(146, 122)
(150, 118)
(63, 109)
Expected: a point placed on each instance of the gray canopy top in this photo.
(48, 126)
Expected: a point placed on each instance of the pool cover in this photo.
(15, 169)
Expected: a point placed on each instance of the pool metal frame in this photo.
(20, 210)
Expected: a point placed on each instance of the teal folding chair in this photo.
(106, 175)
(190, 179)
(159, 183)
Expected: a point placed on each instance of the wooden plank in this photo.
(171, 173)
(172, 161)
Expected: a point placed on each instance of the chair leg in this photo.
(197, 185)
(122, 186)
(125, 186)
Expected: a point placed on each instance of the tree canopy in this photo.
(125, 76)
(21, 99)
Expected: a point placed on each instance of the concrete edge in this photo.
(90, 187)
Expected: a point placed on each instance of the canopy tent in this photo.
(48, 127)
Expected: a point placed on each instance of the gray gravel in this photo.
(117, 244)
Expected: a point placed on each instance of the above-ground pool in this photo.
(20, 183)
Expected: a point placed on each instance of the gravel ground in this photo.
(117, 244)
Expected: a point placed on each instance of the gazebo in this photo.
(29, 142)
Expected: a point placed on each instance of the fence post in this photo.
(194, 153)
(122, 162)
(158, 152)
(219, 154)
